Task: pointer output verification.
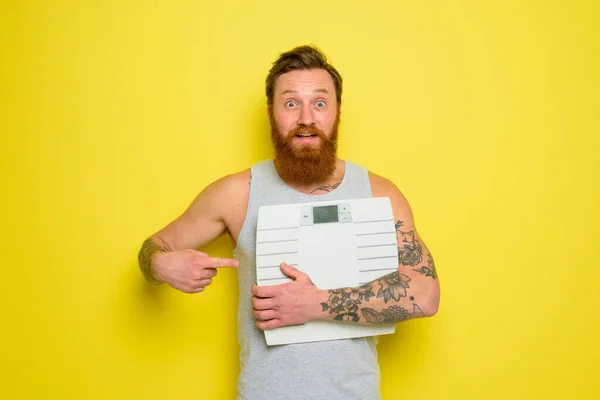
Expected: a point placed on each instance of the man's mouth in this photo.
(306, 134)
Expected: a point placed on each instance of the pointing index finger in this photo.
(224, 262)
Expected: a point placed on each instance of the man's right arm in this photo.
(170, 256)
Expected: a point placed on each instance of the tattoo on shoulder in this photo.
(410, 251)
(327, 188)
(428, 270)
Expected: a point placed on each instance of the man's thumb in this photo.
(291, 272)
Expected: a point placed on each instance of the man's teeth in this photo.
(304, 134)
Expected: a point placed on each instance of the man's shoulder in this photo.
(238, 182)
(383, 187)
(237, 177)
(225, 196)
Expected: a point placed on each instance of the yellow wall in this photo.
(115, 114)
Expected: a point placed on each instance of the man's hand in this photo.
(291, 303)
(188, 270)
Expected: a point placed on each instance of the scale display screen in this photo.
(325, 214)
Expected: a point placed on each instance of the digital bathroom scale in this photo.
(337, 244)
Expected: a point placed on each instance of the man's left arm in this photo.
(410, 292)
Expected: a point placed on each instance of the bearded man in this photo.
(304, 95)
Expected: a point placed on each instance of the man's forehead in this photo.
(310, 80)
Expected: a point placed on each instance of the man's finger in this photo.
(292, 272)
(200, 273)
(195, 290)
(205, 282)
(270, 324)
(210, 272)
(263, 291)
(262, 304)
(264, 315)
(224, 263)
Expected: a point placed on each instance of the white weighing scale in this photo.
(337, 244)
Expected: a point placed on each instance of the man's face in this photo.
(304, 119)
(304, 98)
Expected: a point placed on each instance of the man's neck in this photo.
(328, 185)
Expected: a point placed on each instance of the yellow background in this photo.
(115, 114)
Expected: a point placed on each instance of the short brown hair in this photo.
(299, 58)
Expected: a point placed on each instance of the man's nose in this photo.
(306, 116)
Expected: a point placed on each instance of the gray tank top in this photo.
(335, 369)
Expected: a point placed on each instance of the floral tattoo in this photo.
(428, 270)
(391, 315)
(393, 286)
(410, 251)
(344, 302)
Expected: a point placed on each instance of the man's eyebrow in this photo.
(320, 90)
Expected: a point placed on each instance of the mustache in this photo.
(305, 130)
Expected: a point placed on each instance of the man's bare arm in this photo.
(204, 220)
(392, 298)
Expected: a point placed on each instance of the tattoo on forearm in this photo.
(410, 251)
(327, 188)
(392, 286)
(149, 248)
(345, 301)
(391, 315)
(428, 270)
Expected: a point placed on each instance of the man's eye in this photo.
(320, 104)
(290, 104)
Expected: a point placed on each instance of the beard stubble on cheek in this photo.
(305, 164)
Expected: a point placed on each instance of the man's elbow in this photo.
(432, 303)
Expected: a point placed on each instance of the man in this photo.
(304, 95)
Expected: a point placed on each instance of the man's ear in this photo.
(269, 111)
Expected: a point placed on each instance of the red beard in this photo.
(305, 164)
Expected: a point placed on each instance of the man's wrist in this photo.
(147, 263)
(150, 271)
(321, 298)
(154, 270)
